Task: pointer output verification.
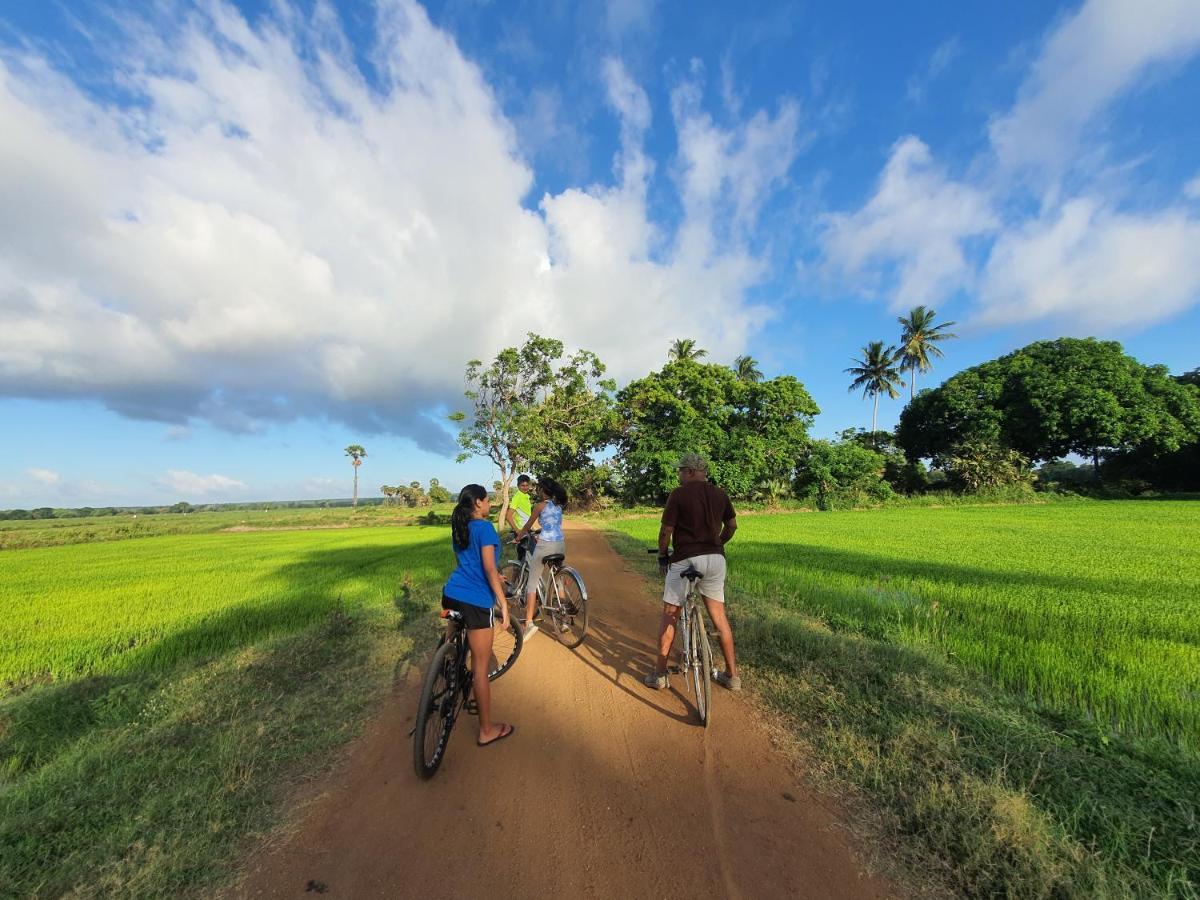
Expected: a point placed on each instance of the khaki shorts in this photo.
(712, 584)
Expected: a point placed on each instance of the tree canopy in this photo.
(1052, 398)
(530, 410)
(751, 432)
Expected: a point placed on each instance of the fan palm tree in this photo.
(746, 369)
(876, 373)
(918, 342)
(685, 348)
(356, 454)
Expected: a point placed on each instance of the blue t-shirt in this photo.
(468, 583)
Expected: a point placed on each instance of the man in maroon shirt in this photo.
(699, 521)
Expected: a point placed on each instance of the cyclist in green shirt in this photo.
(520, 508)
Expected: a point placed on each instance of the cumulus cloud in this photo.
(1098, 266)
(1078, 255)
(269, 232)
(1191, 190)
(43, 476)
(190, 484)
(917, 222)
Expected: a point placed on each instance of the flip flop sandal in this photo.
(499, 737)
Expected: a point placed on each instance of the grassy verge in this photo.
(147, 780)
(971, 784)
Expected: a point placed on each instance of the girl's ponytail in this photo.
(460, 519)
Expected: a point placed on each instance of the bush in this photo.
(979, 467)
(841, 474)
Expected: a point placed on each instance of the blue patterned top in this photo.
(551, 520)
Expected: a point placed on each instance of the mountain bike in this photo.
(561, 597)
(446, 691)
(696, 653)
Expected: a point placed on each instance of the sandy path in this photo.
(607, 789)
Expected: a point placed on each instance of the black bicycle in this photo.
(447, 688)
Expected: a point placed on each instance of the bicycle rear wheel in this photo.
(701, 665)
(506, 643)
(513, 574)
(436, 711)
(569, 614)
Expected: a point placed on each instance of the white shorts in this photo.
(712, 584)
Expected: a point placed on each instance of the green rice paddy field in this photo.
(1089, 607)
(149, 603)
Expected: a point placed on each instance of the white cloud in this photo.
(1095, 267)
(1099, 53)
(191, 484)
(916, 223)
(267, 234)
(43, 476)
(1191, 190)
(1079, 257)
(946, 52)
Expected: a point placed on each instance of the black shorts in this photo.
(474, 617)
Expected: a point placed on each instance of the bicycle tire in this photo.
(506, 644)
(436, 711)
(570, 617)
(701, 665)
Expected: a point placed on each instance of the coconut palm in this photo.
(918, 342)
(876, 373)
(356, 454)
(685, 348)
(746, 369)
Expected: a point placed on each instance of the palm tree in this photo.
(386, 490)
(876, 373)
(918, 342)
(356, 454)
(685, 348)
(746, 369)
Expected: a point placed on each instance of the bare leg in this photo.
(480, 640)
(531, 598)
(666, 635)
(716, 612)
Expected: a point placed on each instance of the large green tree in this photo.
(531, 408)
(1050, 399)
(876, 373)
(751, 432)
(919, 338)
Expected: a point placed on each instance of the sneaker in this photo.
(656, 680)
(530, 632)
(727, 681)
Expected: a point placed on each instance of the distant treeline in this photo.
(47, 512)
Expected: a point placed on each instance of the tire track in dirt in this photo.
(607, 790)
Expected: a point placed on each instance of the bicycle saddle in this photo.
(554, 559)
(691, 572)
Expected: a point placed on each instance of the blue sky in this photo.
(236, 237)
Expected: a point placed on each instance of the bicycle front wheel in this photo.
(570, 613)
(701, 665)
(436, 711)
(514, 577)
(506, 643)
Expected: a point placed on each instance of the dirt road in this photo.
(608, 789)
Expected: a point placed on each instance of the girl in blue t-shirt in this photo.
(550, 541)
(474, 589)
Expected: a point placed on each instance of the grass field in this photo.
(1016, 689)
(158, 692)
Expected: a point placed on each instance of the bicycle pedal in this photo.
(471, 707)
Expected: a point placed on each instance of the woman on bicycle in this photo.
(474, 589)
(549, 513)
